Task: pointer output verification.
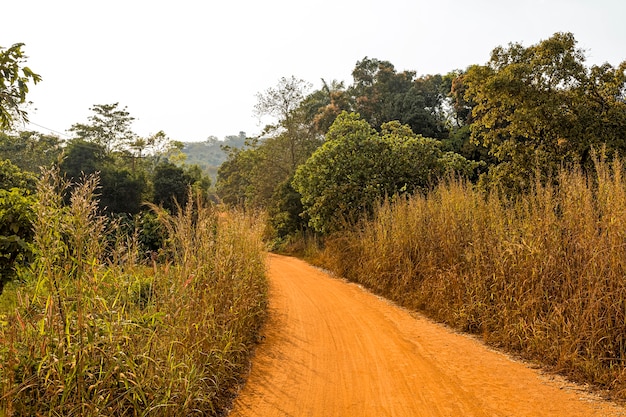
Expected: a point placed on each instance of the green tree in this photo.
(30, 150)
(357, 166)
(14, 80)
(16, 217)
(252, 175)
(234, 177)
(381, 94)
(109, 127)
(121, 190)
(171, 186)
(540, 107)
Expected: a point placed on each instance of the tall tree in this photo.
(14, 80)
(109, 127)
(381, 94)
(541, 106)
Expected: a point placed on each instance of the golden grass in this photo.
(92, 332)
(544, 275)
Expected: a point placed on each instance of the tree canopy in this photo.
(358, 166)
(540, 106)
(14, 80)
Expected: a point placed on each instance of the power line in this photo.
(48, 129)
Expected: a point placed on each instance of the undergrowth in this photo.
(542, 275)
(91, 331)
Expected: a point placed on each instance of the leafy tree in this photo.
(16, 217)
(109, 127)
(171, 186)
(234, 177)
(252, 175)
(16, 232)
(82, 158)
(321, 108)
(30, 150)
(291, 135)
(357, 166)
(286, 214)
(11, 176)
(381, 94)
(14, 80)
(121, 189)
(540, 107)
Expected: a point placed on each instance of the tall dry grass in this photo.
(92, 332)
(544, 275)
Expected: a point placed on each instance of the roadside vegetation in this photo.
(541, 274)
(89, 329)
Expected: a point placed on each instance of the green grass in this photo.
(92, 331)
(543, 276)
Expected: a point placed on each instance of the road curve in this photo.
(333, 349)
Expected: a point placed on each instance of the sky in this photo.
(193, 68)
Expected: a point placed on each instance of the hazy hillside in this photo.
(209, 154)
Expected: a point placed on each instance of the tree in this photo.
(30, 150)
(321, 107)
(16, 218)
(109, 127)
(252, 175)
(357, 166)
(14, 80)
(541, 107)
(171, 186)
(121, 189)
(381, 94)
(81, 157)
(234, 177)
(281, 101)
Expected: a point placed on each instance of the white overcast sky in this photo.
(192, 68)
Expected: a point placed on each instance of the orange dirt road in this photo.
(333, 349)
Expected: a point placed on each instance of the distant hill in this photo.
(209, 155)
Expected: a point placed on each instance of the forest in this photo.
(493, 189)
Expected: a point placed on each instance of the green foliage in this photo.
(286, 212)
(541, 107)
(321, 107)
(109, 127)
(357, 166)
(93, 334)
(256, 176)
(121, 189)
(16, 232)
(381, 95)
(14, 80)
(171, 185)
(30, 150)
(234, 177)
(11, 176)
(16, 215)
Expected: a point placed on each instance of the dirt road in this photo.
(332, 349)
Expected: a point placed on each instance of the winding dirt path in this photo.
(332, 349)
